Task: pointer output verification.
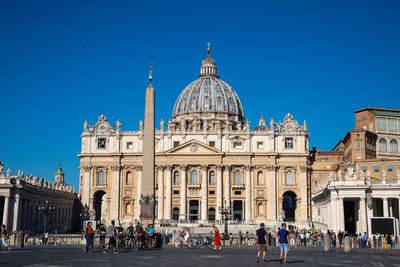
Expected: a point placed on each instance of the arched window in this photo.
(393, 145)
(175, 214)
(260, 177)
(237, 178)
(129, 179)
(211, 178)
(289, 178)
(194, 177)
(176, 177)
(260, 208)
(100, 177)
(382, 145)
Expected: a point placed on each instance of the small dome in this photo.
(209, 94)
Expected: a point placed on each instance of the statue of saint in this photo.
(271, 124)
(162, 125)
(1, 168)
(141, 125)
(281, 215)
(118, 123)
(85, 126)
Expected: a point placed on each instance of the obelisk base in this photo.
(147, 214)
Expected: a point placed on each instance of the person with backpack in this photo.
(88, 236)
(112, 235)
(283, 242)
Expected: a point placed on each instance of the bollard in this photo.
(347, 244)
(327, 243)
(20, 240)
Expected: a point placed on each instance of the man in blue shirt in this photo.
(284, 241)
(261, 236)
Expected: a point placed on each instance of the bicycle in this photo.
(129, 242)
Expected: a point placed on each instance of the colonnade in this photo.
(21, 211)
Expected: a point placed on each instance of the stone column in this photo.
(182, 210)
(139, 190)
(370, 213)
(390, 207)
(341, 213)
(5, 211)
(218, 216)
(115, 193)
(86, 184)
(248, 194)
(227, 187)
(362, 216)
(333, 212)
(160, 206)
(204, 194)
(385, 207)
(17, 206)
(168, 193)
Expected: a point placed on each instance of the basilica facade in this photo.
(207, 157)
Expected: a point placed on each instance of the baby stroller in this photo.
(208, 242)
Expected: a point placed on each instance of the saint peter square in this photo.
(138, 126)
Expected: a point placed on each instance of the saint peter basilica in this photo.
(207, 157)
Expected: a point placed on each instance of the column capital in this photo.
(116, 168)
(227, 167)
(160, 167)
(219, 167)
(86, 168)
(168, 167)
(182, 167)
(248, 167)
(203, 167)
(138, 167)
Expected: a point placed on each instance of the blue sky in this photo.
(319, 60)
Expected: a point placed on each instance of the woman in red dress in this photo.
(217, 239)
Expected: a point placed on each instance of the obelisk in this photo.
(147, 198)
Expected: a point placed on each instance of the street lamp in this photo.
(226, 213)
(85, 214)
(46, 209)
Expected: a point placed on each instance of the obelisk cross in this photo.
(151, 71)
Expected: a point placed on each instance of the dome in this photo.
(208, 96)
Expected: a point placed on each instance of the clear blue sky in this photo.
(319, 60)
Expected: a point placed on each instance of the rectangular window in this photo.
(315, 183)
(358, 144)
(319, 212)
(260, 145)
(176, 143)
(364, 168)
(212, 192)
(376, 168)
(392, 125)
(237, 144)
(358, 156)
(389, 168)
(176, 192)
(101, 143)
(238, 192)
(129, 145)
(288, 143)
(211, 143)
(381, 124)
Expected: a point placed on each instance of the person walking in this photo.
(217, 238)
(262, 243)
(102, 235)
(88, 236)
(283, 242)
(112, 235)
(4, 237)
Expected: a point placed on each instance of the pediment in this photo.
(194, 147)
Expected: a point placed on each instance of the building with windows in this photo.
(360, 178)
(206, 157)
(22, 196)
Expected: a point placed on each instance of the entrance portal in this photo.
(193, 210)
(237, 210)
(349, 218)
(99, 205)
(289, 206)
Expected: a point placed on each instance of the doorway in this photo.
(237, 210)
(193, 210)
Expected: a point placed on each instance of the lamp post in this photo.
(226, 213)
(46, 209)
(85, 214)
